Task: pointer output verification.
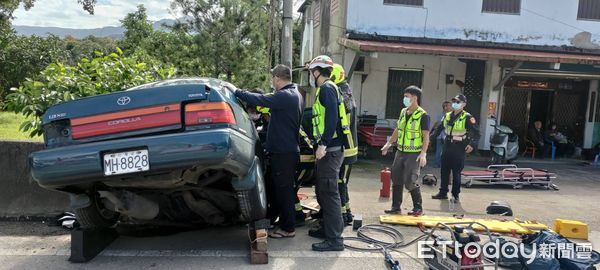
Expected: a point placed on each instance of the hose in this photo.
(381, 245)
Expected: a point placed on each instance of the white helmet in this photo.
(322, 61)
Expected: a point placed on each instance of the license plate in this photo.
(126, 162)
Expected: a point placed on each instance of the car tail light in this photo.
(208, 113)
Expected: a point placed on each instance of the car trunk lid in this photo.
(120, 114)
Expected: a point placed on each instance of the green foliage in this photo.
(228, 38)
(88, 46)
(25, 56)
(59, 83)
(225, 39)
(137, 29)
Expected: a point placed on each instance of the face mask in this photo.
(456, 106)
(406, 102)
(311, 80)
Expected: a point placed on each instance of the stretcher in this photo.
(510, 174)
(515, 226)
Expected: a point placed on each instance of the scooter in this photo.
(504, 144)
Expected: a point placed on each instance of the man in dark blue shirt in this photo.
(286, 106)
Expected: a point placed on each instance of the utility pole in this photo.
(287, 33)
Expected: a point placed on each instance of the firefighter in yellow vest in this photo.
(338, 76)
(411, 137)
(331, 131)
(462, 136)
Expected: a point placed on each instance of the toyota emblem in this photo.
(123, 100)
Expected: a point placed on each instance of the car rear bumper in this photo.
(80, 164)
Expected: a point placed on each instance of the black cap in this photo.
(460, 97)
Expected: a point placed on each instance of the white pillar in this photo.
(492, 77)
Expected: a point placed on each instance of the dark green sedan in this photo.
(174, 151)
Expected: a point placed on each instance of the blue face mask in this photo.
(406, 102)
(456, 106)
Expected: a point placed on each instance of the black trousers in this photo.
(281, 189)
(328, 195)
(453, 162)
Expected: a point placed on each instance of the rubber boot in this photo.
(415, 194)
(396, 201)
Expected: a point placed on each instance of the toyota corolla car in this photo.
(174, 151)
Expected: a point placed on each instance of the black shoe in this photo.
(440, 196)
(392, 211)
(317, 215)
(348, 218)
(317, 233)
(327, 246)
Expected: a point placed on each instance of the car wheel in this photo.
(96, 216)
(253, 202)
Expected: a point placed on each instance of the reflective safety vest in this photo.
(318, 117)
(459, 128)
(410, 135)
(263, 110)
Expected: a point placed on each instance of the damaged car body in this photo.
(180, 151)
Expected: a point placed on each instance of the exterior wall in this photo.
(320, 12)
(435, 90)
(541, 22)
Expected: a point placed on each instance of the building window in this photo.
(589, 10)
(502, 6)
(418, 3)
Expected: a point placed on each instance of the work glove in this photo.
(422, 159)
(385, 148)
(321, 151)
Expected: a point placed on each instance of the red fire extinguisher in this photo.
(386, 181)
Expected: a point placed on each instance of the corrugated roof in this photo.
(469, 52)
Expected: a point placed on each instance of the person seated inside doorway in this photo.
(536, 136)
(560, 140)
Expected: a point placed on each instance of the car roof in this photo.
(211, 82)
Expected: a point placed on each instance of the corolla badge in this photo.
(123, 100)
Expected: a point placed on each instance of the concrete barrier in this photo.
(20, 195)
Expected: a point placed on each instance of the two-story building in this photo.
(517, 61)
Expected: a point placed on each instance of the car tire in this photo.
(96, 216)
(253, 202)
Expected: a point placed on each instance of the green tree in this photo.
(137, 29)
(12, 70)
(88, 46)
(176, 48)
(25, 56)
(229, 38)
(59, 83)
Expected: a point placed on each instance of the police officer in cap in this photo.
(462, 136)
